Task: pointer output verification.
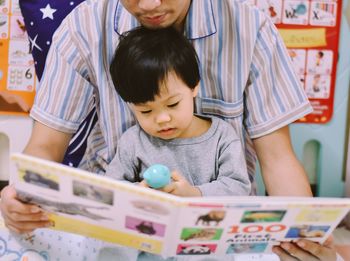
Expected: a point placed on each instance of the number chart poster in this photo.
(310, 30)
(17, 76)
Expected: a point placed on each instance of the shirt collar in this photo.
(200, 20)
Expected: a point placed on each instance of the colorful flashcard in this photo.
(4, 6)
(17, 73)
(296, 12)
(323, 13)
(319, 61)
(318, 86)
(273, 8)
(298, 57)
(18, 29)
(20, 53)
(4, 26)
(21, 78)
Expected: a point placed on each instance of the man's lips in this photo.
(155, 19)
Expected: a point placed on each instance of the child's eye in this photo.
(173, 105)
(145, 112)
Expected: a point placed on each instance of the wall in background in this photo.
(14, 134)
(322, 148)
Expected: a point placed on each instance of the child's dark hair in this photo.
(143, 59)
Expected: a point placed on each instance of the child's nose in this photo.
(163, 117)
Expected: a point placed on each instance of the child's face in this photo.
(170, 115)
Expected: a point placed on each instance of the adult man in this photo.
(246, 79)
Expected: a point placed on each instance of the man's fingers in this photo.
(14, 229)
(329, 242)
(282, 254)
(20, 217)
(13, 206)
(297, 252)
(8, 191)
(320, 251)
(27, 227)
(10, 204)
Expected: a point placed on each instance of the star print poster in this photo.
(24, 44)
(17, 73)
(310, 30)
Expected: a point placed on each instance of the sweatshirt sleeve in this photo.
(123, 165)
(231, 176)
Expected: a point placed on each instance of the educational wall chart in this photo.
(310, 30)
(17, 74)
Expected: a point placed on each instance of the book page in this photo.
(245, 226)
(94, 206)
(160, 223)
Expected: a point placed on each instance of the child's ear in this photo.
(195, 90)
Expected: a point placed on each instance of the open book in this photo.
(126, 214)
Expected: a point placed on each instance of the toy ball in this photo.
(157, 176)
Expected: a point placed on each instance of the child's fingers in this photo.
(176, 176)
(168, 188)
(144, 184)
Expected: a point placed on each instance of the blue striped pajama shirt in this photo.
(247, 77)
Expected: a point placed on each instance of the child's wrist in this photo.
(196, 192)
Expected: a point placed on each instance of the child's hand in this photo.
(306, 250)
(180, 187)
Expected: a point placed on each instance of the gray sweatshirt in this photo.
(214, 162)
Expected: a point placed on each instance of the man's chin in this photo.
(161, 25)
(154, 27)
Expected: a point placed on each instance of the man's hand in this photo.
(46, 143)
(18, 217)
(306, 250)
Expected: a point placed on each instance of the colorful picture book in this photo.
(127, 214)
